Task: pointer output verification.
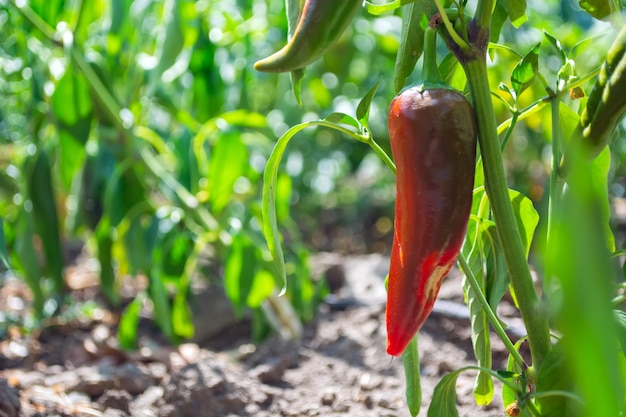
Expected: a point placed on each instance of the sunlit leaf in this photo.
(127, 329)
(363, 109)
(182, 322)
(443, 403)
(239, 272)
(599, 9)
(517, 11)
(4, 254)
(229, 161)
(524, 73)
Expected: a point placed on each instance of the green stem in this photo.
(496, 186)
(556, 188)
(509, 131)
(446, 22)
(382, 154)
(430, 70)
(471, 278)
(484, 9)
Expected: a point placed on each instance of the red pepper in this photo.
(433, 141)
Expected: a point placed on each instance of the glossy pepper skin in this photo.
(320, 24)
(433, 141)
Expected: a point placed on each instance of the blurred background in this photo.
(134, 134)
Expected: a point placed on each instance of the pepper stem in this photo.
(430, 71)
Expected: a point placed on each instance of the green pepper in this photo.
(320, 24)
(432, 131)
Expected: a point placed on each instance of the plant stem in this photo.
(382, 154)
(556, 188)
(496, 186)
(490, 314)
(446, 22)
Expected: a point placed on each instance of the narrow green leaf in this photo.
(293, 8)
(557, 45)
(411, 40)
(229, 161)
(363, 109)
(127, 330)
(268, 207)
(239, 272)
(526, 216)
(181, 316)
(524, 73)
(4, 254)
(343, 119)
(515, 373)
(600, 182)
(170, 40)
(263, 285)
(479, 323)
(161, 305)
(411, 362)
(500, 14)
(296, 84)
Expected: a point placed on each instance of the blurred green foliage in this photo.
(140, 128)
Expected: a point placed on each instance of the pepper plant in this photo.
(574, 323)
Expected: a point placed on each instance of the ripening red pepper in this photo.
(433, 141)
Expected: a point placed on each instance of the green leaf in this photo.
(4, 254)
(479, 323)
(514, 373)
(296, 84)
(268, 208)
(293, 8)
(363, 109)
(497, 279)
(557, 45)
(585, 316)
(524, 73)
(517, 11)
(500, 14)
(104, 244)
(568, 120)
(239, 272)
(411, 362)
(127, 330)
(411, 40)
(229, 161)
(452, 72)
(343, 119)
(263, 285)
(600, 182)
(170, 38)
(161, 305)
(526, 216)
(182, 322)
(443, 403)
(599, 9)
(555, 375)
(620, 319)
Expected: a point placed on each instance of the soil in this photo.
(339, 367)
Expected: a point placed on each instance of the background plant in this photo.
(120, 115)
